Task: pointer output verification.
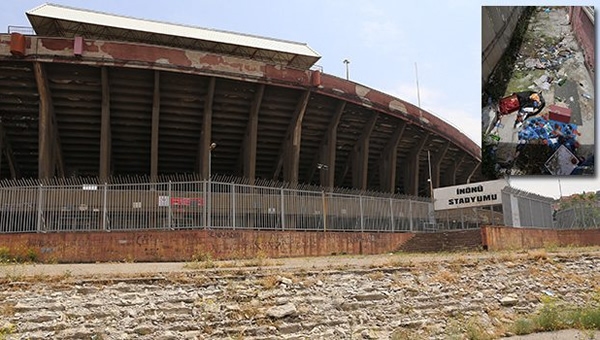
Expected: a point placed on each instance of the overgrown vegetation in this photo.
(555, 315)
(20, 255)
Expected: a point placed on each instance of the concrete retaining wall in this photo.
(506, 238)
(182, 245)
(497, 26)
(582, 22)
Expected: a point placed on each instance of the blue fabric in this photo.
(537, 128)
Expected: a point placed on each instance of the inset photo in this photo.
(538, 95)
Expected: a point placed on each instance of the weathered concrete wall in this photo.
(137, 55)
(507, 238)
(497, 26)
(182, 245)
(582, 21)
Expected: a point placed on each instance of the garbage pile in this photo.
(541, 130)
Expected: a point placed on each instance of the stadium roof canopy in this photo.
(68, 22)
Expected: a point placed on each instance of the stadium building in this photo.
(94, 94)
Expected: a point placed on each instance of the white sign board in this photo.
(469, 195)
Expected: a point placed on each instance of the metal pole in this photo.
(40, 209)
(324, 211)
(418, 94)
(233, 204)
(282, 211)
(104, 207)
(362, 219)
(205, 202)
(392, 213)
(346, 61)
(170, 208)
(410, 215)
(209, 213)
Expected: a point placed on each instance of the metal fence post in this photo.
(170, 208)
(104, 207)
(233, 204)
(282, 212)
(392, 214)
(362, 217)
(40, 208)
(204, 193)
(324, 211)
(410, 215)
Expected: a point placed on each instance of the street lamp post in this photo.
(346, 61)
(209, 198)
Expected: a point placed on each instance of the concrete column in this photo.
(360, 155)
(105, 133)
(411, 180)
(205, 135)
(251, 136)
(292, 155)
(451, 172)
(389, 160)
(329, 147)
(45, 135)
(155, 128)
(436, 163)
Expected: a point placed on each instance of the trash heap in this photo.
(541, 130)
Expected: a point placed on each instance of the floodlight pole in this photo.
(346, 61)
(418, 93)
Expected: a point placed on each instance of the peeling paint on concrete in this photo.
(361, 91)
(396, 105)
(203, 60)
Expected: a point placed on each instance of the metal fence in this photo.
(469, 218)
(525, 209)
(201, 205)
(585, 215)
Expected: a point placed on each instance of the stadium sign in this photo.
(469, 195)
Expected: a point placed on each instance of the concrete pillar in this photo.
(360, 155)
(155, 128)
(389, 160)
(251, 136)
(329, 147)
(411, 180)
(206, 133)
(436, 162)
(46, 139)
(105, 132)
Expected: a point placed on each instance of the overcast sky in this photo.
(382, 39)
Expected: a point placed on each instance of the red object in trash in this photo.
(509, 104)
(559, 113)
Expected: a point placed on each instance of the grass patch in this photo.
(20, 255)
(537, 255)
(6, 330)
(555, 316)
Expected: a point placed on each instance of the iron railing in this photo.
(88, 206)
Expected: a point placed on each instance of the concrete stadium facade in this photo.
(87, 103)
